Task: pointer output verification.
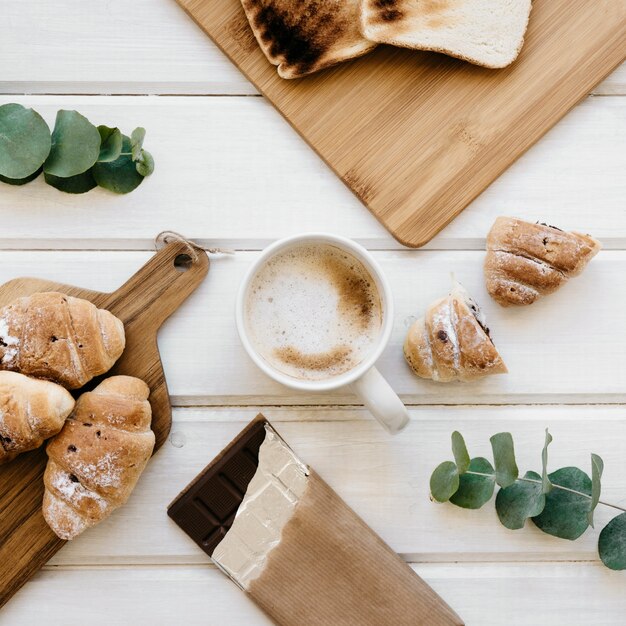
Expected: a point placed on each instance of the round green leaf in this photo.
(75, 145)
(24, 141)
(546, 485)
(504, 458)
(121, 175)
(444, 481)
(145, 163)
(612, 543)
(565, 514)
(474, 491)
(136, 142)
(110, 144)
(81, 183)
(597, 467)
(459, 449)
(21, 181)
(519, 501)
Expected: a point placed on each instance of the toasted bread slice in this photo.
(306, 36)
(484, 32)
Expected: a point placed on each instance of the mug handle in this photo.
(381, 400)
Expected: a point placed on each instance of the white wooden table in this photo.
(230, 172)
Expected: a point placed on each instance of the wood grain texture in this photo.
(247, 179)
(542, 345)
(147, 47)
(384, 479)
(418, 136)
(143, 303)
(484, 594)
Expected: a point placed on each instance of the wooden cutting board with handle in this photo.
(416, 135)
(143, 304)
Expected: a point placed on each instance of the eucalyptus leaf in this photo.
(444, 481)
(519, 501)
(612, 543)
(110, 144)
(145, 164)
(597, 467)
(136, 142)
(565, 514)
(21, 181)
(474, 491)
(459, 449)
(75, 145)
(81, 183)
(121, 175)
(504, 458)
(24, 142)
(546, 485)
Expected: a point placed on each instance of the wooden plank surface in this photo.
(140, 47)
(490, 594)
(544, 353)
(231, 172)
(384, 479)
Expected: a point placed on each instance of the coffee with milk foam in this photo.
(313, 311)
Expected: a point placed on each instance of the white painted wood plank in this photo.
(541, 594)
(114, 47)
(385, 479)
(568, 347)
(144, 46)
(230, 170)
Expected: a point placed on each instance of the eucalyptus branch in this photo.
(76, 157)
(560, 503)
(538, 482)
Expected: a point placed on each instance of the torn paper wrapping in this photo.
(269, 503)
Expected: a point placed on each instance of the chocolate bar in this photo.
(276, 529)
(205, 510)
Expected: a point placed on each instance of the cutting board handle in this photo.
(160, 286)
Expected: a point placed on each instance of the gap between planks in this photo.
(249, 245)
(203, 563)
(422, 401)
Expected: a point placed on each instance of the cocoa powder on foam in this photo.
(355, 321)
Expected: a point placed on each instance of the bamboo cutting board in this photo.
(143, 304)
(417, 136)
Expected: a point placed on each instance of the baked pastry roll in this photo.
(31, 411)
(526, 261)
(95, 462)
(452, 341)
(64, 339)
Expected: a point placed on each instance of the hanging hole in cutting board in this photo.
(183, 262)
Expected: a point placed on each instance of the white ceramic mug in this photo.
(364, 379)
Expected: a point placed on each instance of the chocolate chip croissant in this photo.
(452, 342)
(64, 339)
(95, 462)
(527, 261)
(31, 411)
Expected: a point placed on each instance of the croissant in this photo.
(95, 461)
(30, 411)
(526, 261)
(67, 340)
(452, 342)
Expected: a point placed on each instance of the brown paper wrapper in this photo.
(331, 569)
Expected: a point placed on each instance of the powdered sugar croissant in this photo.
(527, 261)
(31, 411)
(64, 339)
(95, 462)
(452, 342)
